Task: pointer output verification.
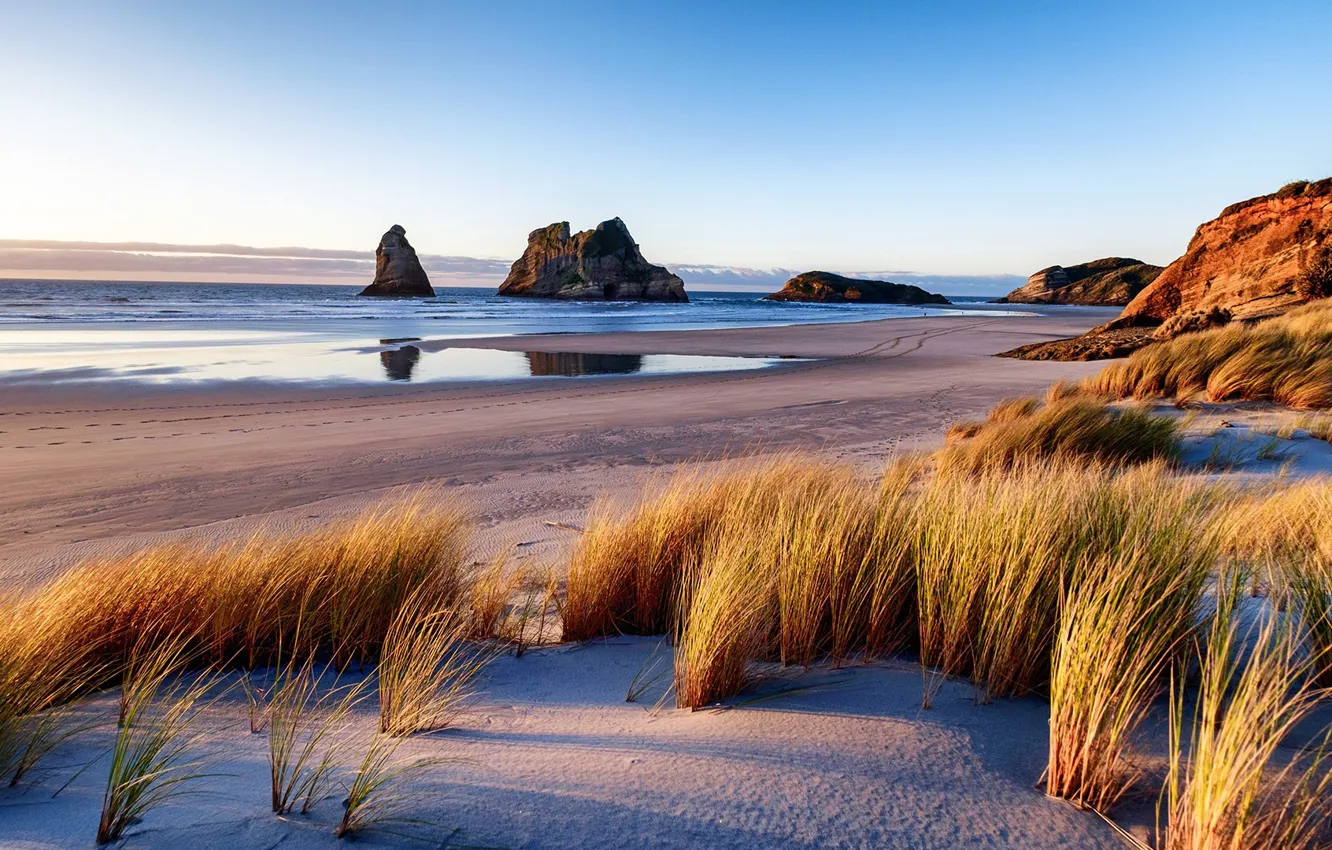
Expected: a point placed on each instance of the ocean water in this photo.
(56, 331)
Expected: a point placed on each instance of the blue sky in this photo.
(943, 138)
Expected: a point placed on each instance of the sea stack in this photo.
(829, 288)
(398, 272)
(1108, 282)
(604, 264)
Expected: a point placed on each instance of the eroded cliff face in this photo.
(1258, 257)
(398, 272)
(830, 288)
(604, 264)
(1111, 281)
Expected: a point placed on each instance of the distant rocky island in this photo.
(829, 288)
(1258, 258)
(603, 264)
(398, 272)
(1108, 282)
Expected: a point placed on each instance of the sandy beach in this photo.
(102, 468)
(549, 753)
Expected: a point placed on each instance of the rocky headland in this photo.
(829, 288)
(398, 272)
(604, 264)
(1108, 282)
(1257, 259)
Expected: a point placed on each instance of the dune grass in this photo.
(428, 669)
(1287, 359)
(150, 760)
(996, 553)
(306, 735)
(626, 573)
(338, 588)
(1226, 787)
(343, 585)
(1286, 534)
(804, 561)
(1130, 612)
(727, 624)
(375, 796)
(36, 685)
(1070, 426)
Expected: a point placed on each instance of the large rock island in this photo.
(829, 288)
(1108, 282)
(398, 272)
(595, 265)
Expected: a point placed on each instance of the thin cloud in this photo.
(48, 258)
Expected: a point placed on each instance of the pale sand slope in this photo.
(84, 470)
(558, 759)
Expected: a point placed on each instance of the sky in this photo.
(940, 139)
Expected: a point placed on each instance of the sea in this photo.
(163, 333)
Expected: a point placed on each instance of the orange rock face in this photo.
(1259, 256)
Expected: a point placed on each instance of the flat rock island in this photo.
(829, 288)
(604, 264)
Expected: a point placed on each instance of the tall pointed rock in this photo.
(397, 270)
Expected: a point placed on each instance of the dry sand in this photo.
(557, 759)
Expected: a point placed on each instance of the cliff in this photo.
(1259, 257)
(604, 264)
(832, 288)
(1112, 281)
(397, 270)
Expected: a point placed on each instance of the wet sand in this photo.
(95, 468)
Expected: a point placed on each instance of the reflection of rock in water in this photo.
(400, 362)
(566, 363)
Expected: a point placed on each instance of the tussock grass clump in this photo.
(1225, 788)
(791, 572)
(375, 796)
(1126, 615)
(805, 561)
(1071, 426)
(1287, 359)
(36, 684)
(822, 571)
(306, 741)
(727, 624)
(339, 588)
(1287, 535)
(996, 552)
(150, 761)
(626, 573)
(427, 669)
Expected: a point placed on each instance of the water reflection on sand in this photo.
(173, 357)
